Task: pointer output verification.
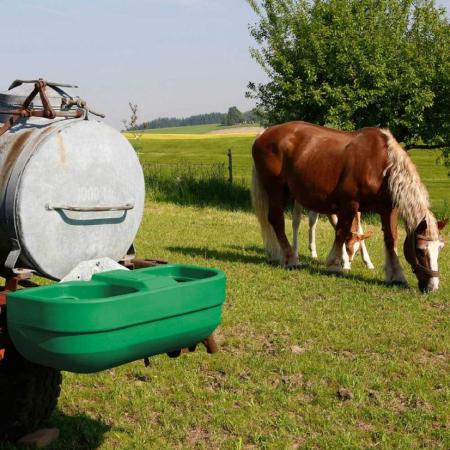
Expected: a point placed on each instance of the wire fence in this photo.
(183, 169)
(196, 184)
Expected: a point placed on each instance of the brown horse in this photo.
(337, 172)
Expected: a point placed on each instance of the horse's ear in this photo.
(442, 223)
(366, 235)
(360, 237)
(421, 228)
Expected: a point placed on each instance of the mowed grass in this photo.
(290, 341)
(307, 360)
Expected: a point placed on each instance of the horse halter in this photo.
(411, 256)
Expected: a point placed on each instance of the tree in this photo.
(233, 117)
(355, 63)
(132, 126)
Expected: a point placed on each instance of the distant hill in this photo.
(199, 119)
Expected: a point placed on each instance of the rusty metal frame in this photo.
(12, 283)
(26, 112)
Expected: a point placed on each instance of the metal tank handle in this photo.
(125, 207)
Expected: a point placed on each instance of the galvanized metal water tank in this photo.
(70, 190)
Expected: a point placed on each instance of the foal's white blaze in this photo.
(434, 247)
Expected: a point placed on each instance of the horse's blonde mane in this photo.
(260, 133)
(408, 193)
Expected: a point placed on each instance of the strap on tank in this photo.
(13, 255)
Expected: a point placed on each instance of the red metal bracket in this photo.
(24, 111)
(12, 283)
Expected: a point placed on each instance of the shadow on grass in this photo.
(229, 256)
(308, 264)
(77, 432)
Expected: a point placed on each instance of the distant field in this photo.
(199, 151)
(193, 129)
(187, 136)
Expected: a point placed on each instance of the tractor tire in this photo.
(28, 395)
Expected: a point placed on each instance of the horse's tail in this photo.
(260, 201)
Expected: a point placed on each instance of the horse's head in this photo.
(421, 249)
(353, 243)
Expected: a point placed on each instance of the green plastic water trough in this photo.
(117, 317)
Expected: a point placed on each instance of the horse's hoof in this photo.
(296, 266)
(273, 262)
(336, 269)
(370, 266)
(397, 279)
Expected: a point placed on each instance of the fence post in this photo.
(230, 166)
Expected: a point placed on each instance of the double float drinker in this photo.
(118, 317)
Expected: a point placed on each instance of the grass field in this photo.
(307, 360)
(289, 342)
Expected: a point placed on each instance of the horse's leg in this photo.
(278, 199)
(333, 219)
(392, 268)
(364, 253)
(313, 218)
(338, 259)
(296, 219)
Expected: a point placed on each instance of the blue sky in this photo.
(171, 57)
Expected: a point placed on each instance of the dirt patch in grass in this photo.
(237, 130)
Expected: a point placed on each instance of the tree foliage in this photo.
(131, 123)
(355, 63)
(198, 119)
(169, 122)
(233, 117)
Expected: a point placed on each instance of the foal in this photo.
(352, 245)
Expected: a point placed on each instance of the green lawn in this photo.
(289, 342)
